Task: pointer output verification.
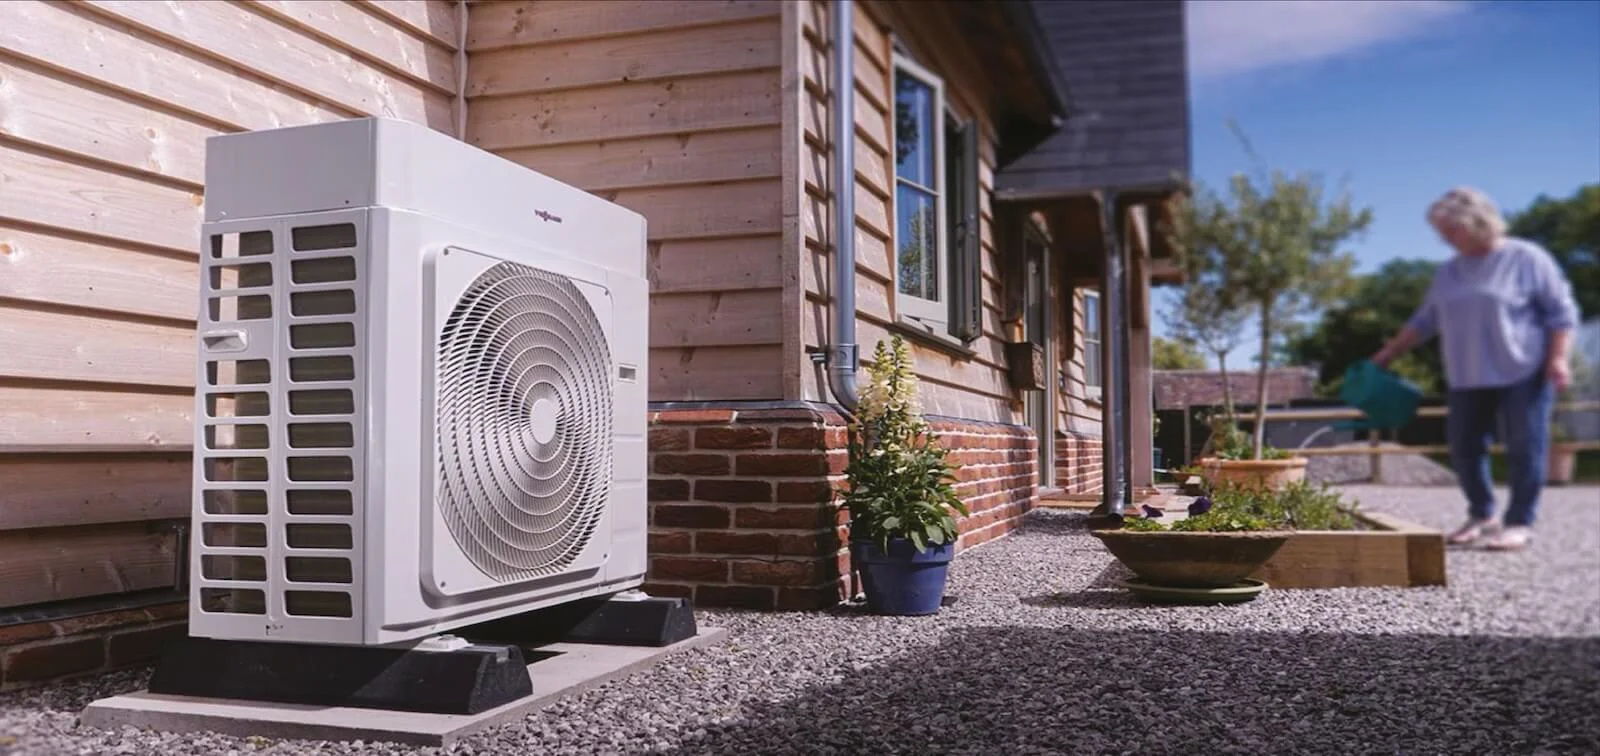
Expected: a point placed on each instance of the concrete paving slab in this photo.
(577, 668)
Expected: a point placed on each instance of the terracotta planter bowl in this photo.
(1267, 473)
(1192, 560)
(1562, 463)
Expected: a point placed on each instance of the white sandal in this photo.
(1512, 538)
(1472, 531)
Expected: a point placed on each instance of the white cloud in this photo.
(1228, 37)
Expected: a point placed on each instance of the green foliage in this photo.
(1201, 314)
(1175, 354)
(900, 485)
(1228, 442)
(1299, 505)
(1272, 245)
(1570, 229)
(1222, 520)
(1236, 508)
(1352, 330)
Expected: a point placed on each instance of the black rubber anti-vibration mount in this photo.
(470, 680)
(611, 621)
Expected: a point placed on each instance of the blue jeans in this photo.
(1524, 411)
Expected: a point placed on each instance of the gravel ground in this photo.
(1041, 654)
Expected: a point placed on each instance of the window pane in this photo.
(916, 237)
(913, 130)
(1091, 316)
(1091, 364)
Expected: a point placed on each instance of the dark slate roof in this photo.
(1127, 78)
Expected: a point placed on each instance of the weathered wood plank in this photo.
(697, 211)
(149, 69)
(623, 111)
(78, 419)
(871, 38)
(47, 191)
(872, 169)
(690, 158)
(286, 56)
(394, 46)
(498, 25)
(64, 346)
(436, 20)
(46, 109)
(706, 265)
(723, 373)
(52, 269)
(56, 564)
(664, 54)
(730, 318)
(48, 491)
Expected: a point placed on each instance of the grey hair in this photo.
(1470, 209)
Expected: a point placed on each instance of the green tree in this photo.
(1174, 354)
(1271, 245)
(1202, 315)
(1570, 229)
(1348, 332)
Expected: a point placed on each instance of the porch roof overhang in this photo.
(1028, 93)
(1077, 220)
(1128, 135)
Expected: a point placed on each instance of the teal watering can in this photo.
(1387, 400)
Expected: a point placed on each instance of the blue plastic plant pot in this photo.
(1387, 400)
(904, 582)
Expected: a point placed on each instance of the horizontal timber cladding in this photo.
(968, 382)
(105, 107)
(742, 499)
(671, 109)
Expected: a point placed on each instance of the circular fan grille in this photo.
(524, 422)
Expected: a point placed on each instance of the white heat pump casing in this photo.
(430, 214)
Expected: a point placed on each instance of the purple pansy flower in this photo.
(1199, 506)
(1151, 512)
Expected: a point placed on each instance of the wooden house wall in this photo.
(952, 385)
(104, 111)
(672, 109)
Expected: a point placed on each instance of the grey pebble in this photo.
(1045, 655)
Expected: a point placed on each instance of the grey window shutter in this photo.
(966, 250)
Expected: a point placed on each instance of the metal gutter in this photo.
(461, 70)
(1116, 485)
(842, 355)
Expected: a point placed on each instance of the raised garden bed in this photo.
(1385, 551)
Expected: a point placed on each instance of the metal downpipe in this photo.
(1115, 422)
(843, 354)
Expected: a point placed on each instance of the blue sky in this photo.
(1402, 98)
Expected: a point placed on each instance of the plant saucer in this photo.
(1242, 591)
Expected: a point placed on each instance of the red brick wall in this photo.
(1079, 464)
(741, 507)
(42, 651)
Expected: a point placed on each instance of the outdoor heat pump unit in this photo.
(421, 397)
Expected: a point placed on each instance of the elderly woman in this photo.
(1504, 314)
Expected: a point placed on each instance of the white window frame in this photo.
(1092, 344)
(908, 304)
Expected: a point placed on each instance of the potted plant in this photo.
(899, 494)
(1233, 459)
(1270, 247)
(1563, 456)
(1228, 535)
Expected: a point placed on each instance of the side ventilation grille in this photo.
(280, 463)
